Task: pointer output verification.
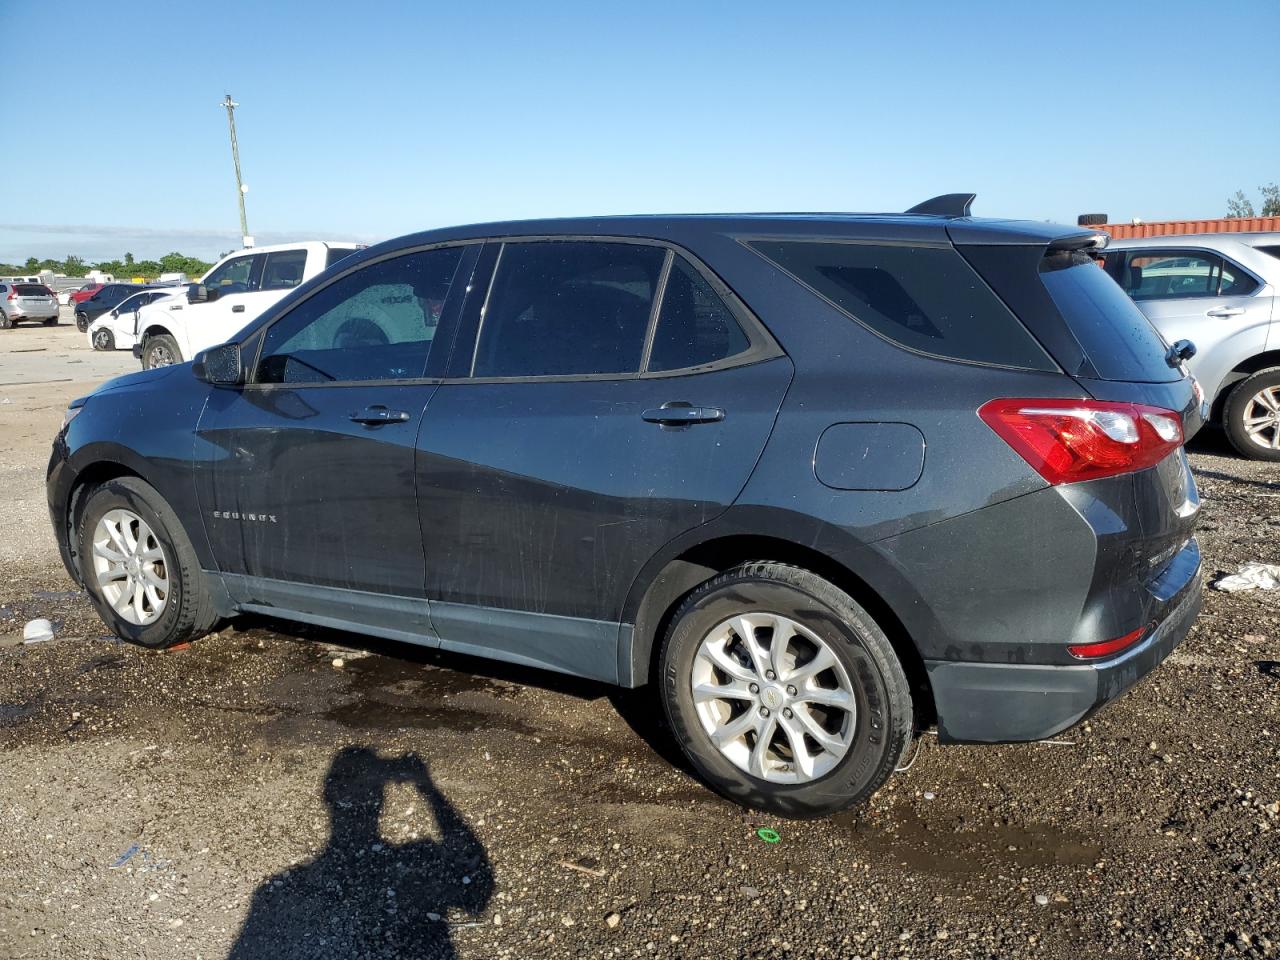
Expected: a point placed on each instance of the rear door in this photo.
(307, 473)
(604, 398)
(1200, 296)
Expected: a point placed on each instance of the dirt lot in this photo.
(248, 797)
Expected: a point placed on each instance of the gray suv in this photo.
(1220, 292)
(819, 480)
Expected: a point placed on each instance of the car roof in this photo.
(677, 227)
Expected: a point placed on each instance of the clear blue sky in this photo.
(369, 119)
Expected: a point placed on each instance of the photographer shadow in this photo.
(363, 896)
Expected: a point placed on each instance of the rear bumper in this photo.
(1009, 702)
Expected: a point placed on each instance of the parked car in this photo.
(822, 479)
(85, 292)
(27, 301)
(117, 329)
(234, 291)
(1218, 291)
(106, 299)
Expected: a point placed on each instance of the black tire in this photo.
(188, 611)
(884, 718)
(153, 347)
(51, 322)
(1237, 406)
(82, 321)
(6, 321)
(104, 339)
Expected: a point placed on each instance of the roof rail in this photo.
(947, 205)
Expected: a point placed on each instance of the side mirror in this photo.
(198, 293)
(219, 366)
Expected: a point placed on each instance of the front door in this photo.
(307, 473)
(595, 420)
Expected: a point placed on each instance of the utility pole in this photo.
(241, 189)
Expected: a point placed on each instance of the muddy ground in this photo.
(246, 797)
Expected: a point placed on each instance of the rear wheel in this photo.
(82, 321)
(160, 351)
(51, 322)
(783, 692)
(139, 566)
(5, 321)
(1252, 415)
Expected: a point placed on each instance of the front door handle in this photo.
(1225, 312)
(378, 414)
(238, 308)
(678, 413)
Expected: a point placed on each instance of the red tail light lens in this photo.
(1093, 651)
(1067, 441)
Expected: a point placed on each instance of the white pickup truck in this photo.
(238, 288)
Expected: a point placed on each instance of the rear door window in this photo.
(568, 308)
(1180, 274)
(926, 299)
(695, 326)
(283, 270)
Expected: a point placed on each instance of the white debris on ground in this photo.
(37, 631)
(1250, 576)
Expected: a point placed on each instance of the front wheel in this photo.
(1252, 415)
(103, 339)
(783, 692)
(139, 567)
(160, 351)
(6, 322)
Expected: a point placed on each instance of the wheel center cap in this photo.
(772, 697)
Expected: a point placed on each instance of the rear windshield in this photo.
(1121, 343)
(336, 254)
(31, 290)
(1273, 250)
(927, 299)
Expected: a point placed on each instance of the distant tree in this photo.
(1270, 200)
(1239, 205)
(128, 259)
(73, 266)
(179, 263)
(32, 265)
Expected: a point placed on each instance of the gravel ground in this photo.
(250, 796)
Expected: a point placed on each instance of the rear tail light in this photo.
(1105, 648)
(13, 294)
(1067, 441)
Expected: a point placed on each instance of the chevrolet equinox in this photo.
(822, 479)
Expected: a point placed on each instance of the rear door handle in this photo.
(680, 413)
(378, 414)
(1225, 312)
(238, 308)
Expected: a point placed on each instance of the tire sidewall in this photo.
(108, 340)
(165, 339)
(1242, 393)
(109, 497)
(846, 632)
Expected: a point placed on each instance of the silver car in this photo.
(1220, 291)
(27, 301)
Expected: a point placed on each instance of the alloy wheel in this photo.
(160, 356)
(773, 698)
(130, 567)
(1261, 418)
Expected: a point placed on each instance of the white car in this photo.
(118, 329)
(235, 291)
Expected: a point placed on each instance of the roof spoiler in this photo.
(946, 205)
